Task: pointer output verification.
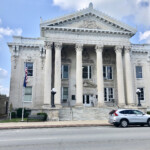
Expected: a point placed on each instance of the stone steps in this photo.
(84, 113)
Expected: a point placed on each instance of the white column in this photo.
(47, 74)
(58, 47)
(100, 81)
(120, 80)
(79, 82)
(128, 75)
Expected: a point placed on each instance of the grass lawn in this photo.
(12, 120)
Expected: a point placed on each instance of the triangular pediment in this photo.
(89, 19)
(89, 22)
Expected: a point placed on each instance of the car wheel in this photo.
(148, 122)
(124, 123)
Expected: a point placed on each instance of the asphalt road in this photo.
(83, 138)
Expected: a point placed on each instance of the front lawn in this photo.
(12, 120)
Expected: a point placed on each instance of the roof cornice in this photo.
(25, 44)
(67, 29)
(141, 48)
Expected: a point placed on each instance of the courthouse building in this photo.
(87, 57)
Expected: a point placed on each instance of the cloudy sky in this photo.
(22, 17)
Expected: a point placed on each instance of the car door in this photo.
(139, 116)
(130, 116)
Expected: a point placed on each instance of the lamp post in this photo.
(138, 91)
(53, 92)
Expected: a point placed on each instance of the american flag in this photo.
(26, 77)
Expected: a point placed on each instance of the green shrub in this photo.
(26, 112)
(13, 114)
(44, 114)
(19, 112)
(148, 112)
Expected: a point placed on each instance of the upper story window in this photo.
(107, 72)
(64, 71)
(86, 72)
(139, 72)
(29, 66)
(28, 94)
(108, 94)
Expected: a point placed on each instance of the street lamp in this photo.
(138, 91)
(53, 91)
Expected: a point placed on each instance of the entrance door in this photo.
(86, 100)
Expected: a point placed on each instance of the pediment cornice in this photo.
(89, 12)
(70, 29)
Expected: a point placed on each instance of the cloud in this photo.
(145, 36)
(4, 90)
(3, 73)
(9, 32)
(139, 9)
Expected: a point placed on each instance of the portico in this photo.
(121, 79)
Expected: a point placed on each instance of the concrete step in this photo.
(84, 113)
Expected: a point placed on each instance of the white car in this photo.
(125, 117)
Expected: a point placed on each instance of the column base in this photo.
(46, 106)
(131, 104)
(121, 105)
(58, 106)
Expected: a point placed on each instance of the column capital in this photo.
(127, 49)
(118, 48)
(48, 44)
(58, 45)
(79, 47)
(99, 48)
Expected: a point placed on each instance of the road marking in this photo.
(7, 140)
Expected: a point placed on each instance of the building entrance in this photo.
(87, 100)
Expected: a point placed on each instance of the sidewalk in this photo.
(53, 124)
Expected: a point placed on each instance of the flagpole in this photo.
(23, 104)
(23, 91)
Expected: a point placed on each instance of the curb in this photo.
(54, 126)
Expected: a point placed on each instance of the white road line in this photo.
(8, 140)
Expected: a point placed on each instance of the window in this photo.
(29, 66)
(137, 112)
(138, 72)
(86, 72)
(73, 97)
(141, 95)
(108, 94)
(64, 94)
(107, 72)
(64, 71)
(86, 99)
(28, 94)
(127, 112)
